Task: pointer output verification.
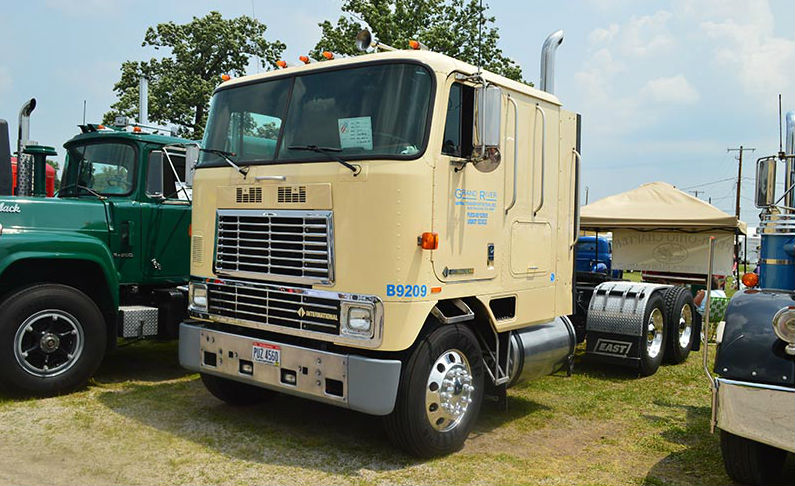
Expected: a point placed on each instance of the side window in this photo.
(160, 180)
(458, 126)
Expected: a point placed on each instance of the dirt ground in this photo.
(146, 421)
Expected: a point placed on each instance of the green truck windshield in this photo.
(375, 111)
(105, 168)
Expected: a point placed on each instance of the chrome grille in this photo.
(275, 306)
(291, 246)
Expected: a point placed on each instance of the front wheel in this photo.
(52, 339)
(750, 462)
(440, 393)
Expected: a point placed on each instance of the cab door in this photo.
(165, 216)
(468, 211)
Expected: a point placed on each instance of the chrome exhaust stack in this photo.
(143, 101)
(24, 161)
(789, 162)
(547, 81)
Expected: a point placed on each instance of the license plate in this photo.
(266, 353)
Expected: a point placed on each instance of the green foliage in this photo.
(446, 26)
(199, 52)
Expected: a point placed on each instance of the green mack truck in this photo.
(102, 260)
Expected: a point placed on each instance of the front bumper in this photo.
(763, 413)
(345, 380)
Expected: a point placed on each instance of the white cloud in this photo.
(670, 90)
(647, 35)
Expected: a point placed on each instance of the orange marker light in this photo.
(429, 241)
(750, 280)
(414, 44)
(281, 64)
(304, 59)
(190, 229)
(100, 127)
(436, 290)
(137, 129)
(328, 55)
(225, 77)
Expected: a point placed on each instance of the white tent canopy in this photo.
(657, 205)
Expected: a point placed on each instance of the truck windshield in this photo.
(375, 111)
(105, 168)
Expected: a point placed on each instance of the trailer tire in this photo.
(750, 462)
(440, 393)
(680, 316)
(234, 392)
(52, 340)
(654, 337)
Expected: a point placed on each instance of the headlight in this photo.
(197, 297)
(784, 327)
(357, 320)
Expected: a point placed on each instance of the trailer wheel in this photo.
(235, 392)
(680, 318)
(654, 336)
(440, 392)
(52, 340)
(750, 462)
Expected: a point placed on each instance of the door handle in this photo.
(515, 149)
(270, 178)
(543, 155)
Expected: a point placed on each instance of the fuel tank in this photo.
(540, 350)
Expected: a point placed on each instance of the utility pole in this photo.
(586, 195)
(696, 193)
(737, 208)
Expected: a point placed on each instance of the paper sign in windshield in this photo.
(356, 132)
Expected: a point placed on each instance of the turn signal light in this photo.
(304, 59)
(750, 280)
(429, 241)
(282, 64)
(225, 77)
(328, 55)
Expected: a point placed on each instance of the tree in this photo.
(180, 85)
(447, 26)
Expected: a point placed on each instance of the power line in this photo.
(709, 183)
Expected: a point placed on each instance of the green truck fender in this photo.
(32, 249)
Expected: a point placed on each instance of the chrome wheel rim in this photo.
(654, 335)
(448, 391)
(685, 326)
(48, 343)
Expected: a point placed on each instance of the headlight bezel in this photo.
(345, 318)
(199, 288)
(781, 322)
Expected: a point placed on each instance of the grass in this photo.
(143, 420)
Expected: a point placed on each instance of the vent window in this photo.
(292, 194)
(249, 195)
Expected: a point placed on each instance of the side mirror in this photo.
(191, 159)
(765, 182)
(486, 137)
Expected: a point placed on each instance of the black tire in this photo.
(410, 425)
(652, 343)
(234, 392)
(52, 340)
(680, 316)
(750, 462)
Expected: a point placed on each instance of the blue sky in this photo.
(664, 87)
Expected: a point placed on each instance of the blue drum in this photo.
(777, 254)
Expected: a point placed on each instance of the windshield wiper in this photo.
(328, 152)
(227, 157)
(79, 187)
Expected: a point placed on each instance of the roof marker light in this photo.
(225, 77)
(282, 64)
(328, 55)
(304, 59)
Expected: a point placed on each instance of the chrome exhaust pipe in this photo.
(24, 161)
(143, 101)
(547, 82)
(789, 163)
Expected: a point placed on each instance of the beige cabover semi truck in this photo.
(391, 233)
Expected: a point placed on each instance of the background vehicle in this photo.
(102, 260)
(594, 254)
(753, 401)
